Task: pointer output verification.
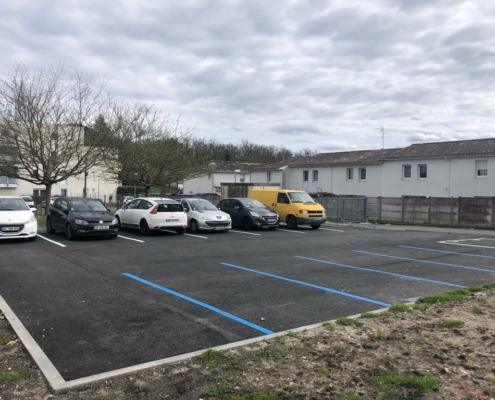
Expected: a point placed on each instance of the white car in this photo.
(17, 221)
(203, 215)
(152, 214)
(30, 202)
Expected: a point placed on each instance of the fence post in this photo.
(402, 210)
(451, 211)
(459, 211)
(429, 210)
(493, 210)
(379, 208)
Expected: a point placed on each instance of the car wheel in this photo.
(193, 226)
(180, 231)
(144, 228)
(49, 227)
(315, 226)
(69, 233)
(247, 224)
(291, 222)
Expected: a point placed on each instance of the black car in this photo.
(80, 216)
(249, 213)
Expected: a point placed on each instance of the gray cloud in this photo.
(317, 74)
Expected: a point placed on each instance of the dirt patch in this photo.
(444, 350)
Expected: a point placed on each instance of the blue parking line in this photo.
(382, 272)
(326, 289)
(446, 252)
(423, 261)
(199, 303)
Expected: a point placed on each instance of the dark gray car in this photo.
(249, 213)
(80, 216)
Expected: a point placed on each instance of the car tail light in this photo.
(154, 210)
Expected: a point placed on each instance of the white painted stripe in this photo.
(290, 230)
(51, 241)
(128, 238)
(333, 230)
(246, 233)
(201, 237)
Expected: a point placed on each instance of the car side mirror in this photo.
(186, 209)
(66, 212)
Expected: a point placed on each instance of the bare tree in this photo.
(42, 117)
(149, 149)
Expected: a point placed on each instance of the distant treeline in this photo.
(244, 152)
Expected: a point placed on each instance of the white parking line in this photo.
(128, 238)
(51, 241)
(246, 233)
(333, 230)
(289, 230)
(201, 237)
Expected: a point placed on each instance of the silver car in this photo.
(203, 215)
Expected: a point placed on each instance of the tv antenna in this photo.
(381, 129)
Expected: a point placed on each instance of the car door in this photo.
(59, 211)
(127, 214)
(236, 212)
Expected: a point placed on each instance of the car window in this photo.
(144, 205)
(13, 204)
(170, 207)
(86, 205)
(282, 198)
(202, 205)
(133, 204)
(252, 203)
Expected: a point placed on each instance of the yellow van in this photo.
(295, 207)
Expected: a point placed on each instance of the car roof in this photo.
(10, 197)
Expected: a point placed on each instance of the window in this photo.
(315, 175)
(349, 174)
(406, 171)
(362, 174)
(481, 169)
(422, 171)
(305, 176)
(268, 176)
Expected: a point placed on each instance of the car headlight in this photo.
(115, 221)
(254, 214)
(304, 211)
(81, 222)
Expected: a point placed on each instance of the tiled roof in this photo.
(231, 166)
(343, 158)
(473, 147)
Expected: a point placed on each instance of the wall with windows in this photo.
(456, 177)
(211, 183)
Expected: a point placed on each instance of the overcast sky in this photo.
(324, 75)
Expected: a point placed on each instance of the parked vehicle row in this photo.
(79, 216)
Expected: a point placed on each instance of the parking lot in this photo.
(100, 305)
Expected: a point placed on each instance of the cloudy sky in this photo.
(325, 75)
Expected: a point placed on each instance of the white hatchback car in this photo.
(152, 214)
(17, 221)
(203, 215)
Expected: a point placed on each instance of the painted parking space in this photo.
(96, 306)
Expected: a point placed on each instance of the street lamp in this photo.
(135, 175)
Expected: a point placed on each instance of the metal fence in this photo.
(344, 208)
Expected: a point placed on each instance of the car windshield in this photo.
(13, 204)
(202, 205)
(86, 205)
(252, 203)
(27, 198)
(301, 197)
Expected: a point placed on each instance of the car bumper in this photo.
(93, 231)
(311, 220)
(214, 225)
(262, 223)
(26, 231)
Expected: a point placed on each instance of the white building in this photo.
(445, 169)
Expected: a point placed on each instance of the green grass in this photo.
(369, 315)
(399, 308)
(345, 321)
(455, 295)
(293, 335)
(212, 358)
(219, 389)
(391, 336)
(452, 323)
(9, 376)
(324, 371)
(393, 384)
(477, 310)
(4, 337)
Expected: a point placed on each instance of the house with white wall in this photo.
(464, 168)
(97, 186)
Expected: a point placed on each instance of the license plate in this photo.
(10, 228)
(101, 227)
(171, 220)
